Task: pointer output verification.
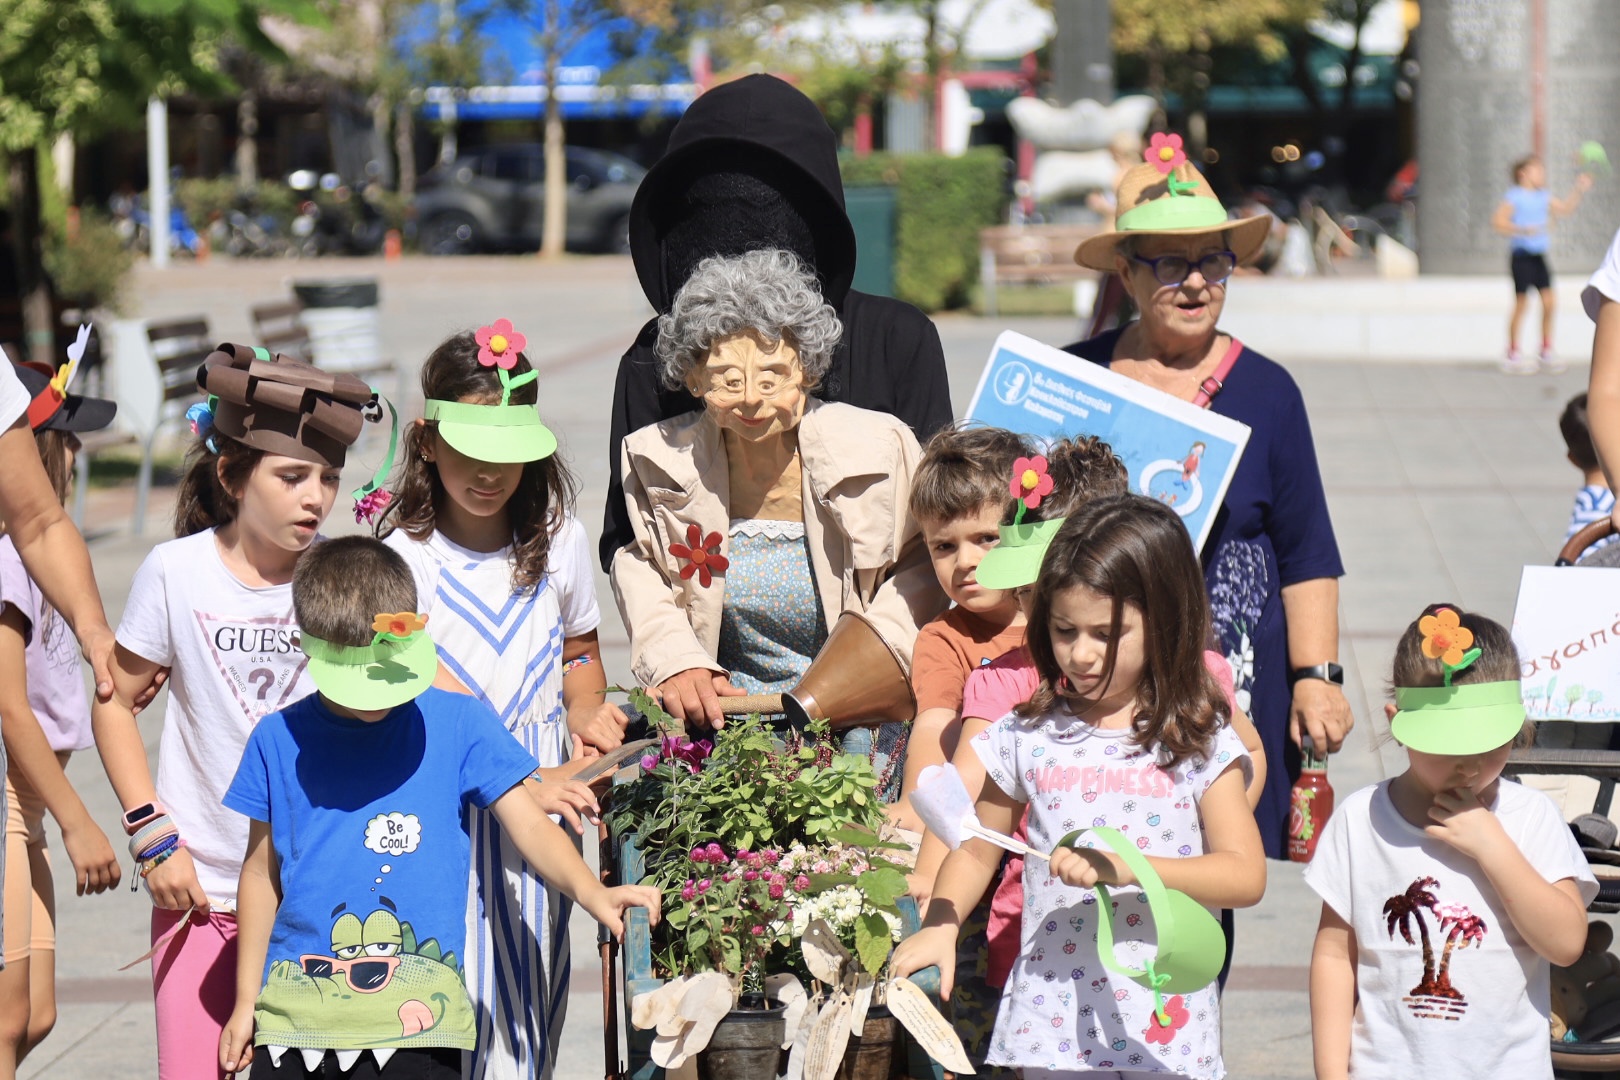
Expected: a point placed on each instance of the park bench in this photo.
(154, 374)
(279, 326)
(1030, 255)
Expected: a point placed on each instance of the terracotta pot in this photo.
(746, 1045)
(871, 1052)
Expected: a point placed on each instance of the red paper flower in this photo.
(1163, 1033)
(1030, 481)
(703, 553)
(1165, 152)
(499, 344)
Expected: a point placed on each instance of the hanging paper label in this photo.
(828, 1039)
(931, 1030)
(785, 989)
(824, 955)
(801, 1040)
(860, 1002)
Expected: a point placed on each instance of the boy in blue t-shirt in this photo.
(352, 907)
(1523, 217)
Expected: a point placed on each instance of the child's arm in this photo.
(173, 883)
(1249, 735)
(598, 722)
(932, 742)
(1232, 875)
(1549, 915)
(931, 856)
(542, 842)
(1502, 220)
(258, 895)
(95, 866)
(1566, 206)
(1333, 995)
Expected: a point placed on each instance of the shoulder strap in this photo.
(1217, 379)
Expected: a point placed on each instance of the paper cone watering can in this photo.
(1191, 946)
(857, 680)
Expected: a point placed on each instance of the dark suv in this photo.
(493, 199)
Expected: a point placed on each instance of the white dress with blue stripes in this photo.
(508, 650)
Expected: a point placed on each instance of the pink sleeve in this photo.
(993, 692)
(1222, 670)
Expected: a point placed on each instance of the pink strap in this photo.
(1217, 379)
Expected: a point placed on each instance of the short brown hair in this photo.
(964, 467)
(1498, 659)
(1082, 469)
(1523, 164)
(1577, 432)
(341, 585)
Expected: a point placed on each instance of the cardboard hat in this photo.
(396, 667)
(1191, 945)
(1473, 718)
(50, 405)
(1155, 200)
(1016, 560)
(284, 406)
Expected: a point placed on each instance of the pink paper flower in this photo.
(1030, 481)
(1165, 152)
(367, 507)
(1163, 1033)
(499, 344)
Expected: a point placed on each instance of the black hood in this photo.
(751, 164)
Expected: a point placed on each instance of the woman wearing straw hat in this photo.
(1271, 564)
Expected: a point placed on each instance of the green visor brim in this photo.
(1016, 560)
(379, 676)
(1474, 718)
(498, 433)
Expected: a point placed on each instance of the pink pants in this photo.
(194, 987)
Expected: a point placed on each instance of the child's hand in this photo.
(173, 884)
(572, 800)
(236, 1040)
(1084, 868)
(1465, 823)
(607, 906)
(600, 724)
(95, 866)
(932, 946)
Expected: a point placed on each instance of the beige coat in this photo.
(866, 552)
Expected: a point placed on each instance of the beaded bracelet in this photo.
(149, 834)
(146, 866)
(168, 843)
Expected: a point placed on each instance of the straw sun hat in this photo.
(1166, 196)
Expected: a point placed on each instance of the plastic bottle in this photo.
(1310, 805)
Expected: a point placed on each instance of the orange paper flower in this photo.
(400, 624)
(1444, 637)
(703, 555)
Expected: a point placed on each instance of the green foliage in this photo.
(91, 266)
(202, 199)
(941, 204)
(1149, 26)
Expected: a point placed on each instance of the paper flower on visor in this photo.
(702, 554)
(1030, 483)
(1165, 152)
(499, 344)
(1447, 640)
(400, 625)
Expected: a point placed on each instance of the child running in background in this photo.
(1453, 852)
(214, 606)
(1525, 216)
(353, 896)
(1126, 707)
(483, 515)
(46, 718)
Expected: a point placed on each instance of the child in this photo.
(353, 891)
(46, 718)
(1129, 714)
(1594, 502)
(1451, 851)
(1524, 215)
(214, 606)
(958, 496)
(483, 515)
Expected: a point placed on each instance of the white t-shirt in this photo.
(1481, 993)
(13, 396)
(234, 658)
(507, 648)
(1061, 1008)
(1604, 284)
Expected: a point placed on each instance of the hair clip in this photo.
(499, 344)
(1030, 484)
(1447, 640)
(399, 625)
(201, 416)
(1166, 153)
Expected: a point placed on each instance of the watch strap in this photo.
(1328, 672)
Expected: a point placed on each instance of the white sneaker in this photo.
(1551, 364)
(1515, 364)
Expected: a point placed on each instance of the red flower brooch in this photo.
(499, 344)
(703, 555)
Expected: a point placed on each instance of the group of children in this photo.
(322, 906)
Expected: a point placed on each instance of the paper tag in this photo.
(671, 1021)
(912, 840)
(828, 1039)
(706, 1002)
(801, 1041)
(931, 1030)
(824, 955)
(668, 1051)
(785, 989)
(169, 934)
(860, 1002)
(648, 1010)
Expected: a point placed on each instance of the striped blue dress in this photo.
(507, 649)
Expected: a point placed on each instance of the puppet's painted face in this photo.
(750, 389)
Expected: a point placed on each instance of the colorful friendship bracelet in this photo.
(577, 662)
(159, 828)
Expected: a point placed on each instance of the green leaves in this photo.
(872, 942)
(881, 887)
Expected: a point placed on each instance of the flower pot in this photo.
(746, 1045)
(871, 1051)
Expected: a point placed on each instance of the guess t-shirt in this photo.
(234, 658)
(55, 682)
(366, 819)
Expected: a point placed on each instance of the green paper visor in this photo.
(1016, 560)
(386, 673)
(1474, 718)
(1178, 212)
(1191, 946)
(499, 433)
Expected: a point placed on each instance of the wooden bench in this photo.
(279, 327)
(175, 350)
(1030, 255)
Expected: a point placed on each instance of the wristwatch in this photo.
(1328, 672)
(142, 815)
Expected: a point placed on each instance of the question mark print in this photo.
(269, 680)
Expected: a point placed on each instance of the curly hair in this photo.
(544, 496)
(1083, 468)
(767, 293)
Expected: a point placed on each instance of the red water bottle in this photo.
(1310, 805)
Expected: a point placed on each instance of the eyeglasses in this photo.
(367, 974)
(1215, 267)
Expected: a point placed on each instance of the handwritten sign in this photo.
(1567, 630)
(932, 1031)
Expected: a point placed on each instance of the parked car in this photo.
(493, 199)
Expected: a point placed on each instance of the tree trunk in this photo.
(247, 146)
(33, 287)
(405, 147)
(381, 113)
(554, 225)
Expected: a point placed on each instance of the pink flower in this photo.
(771, 857)
(699, 855)
(756, 930)
(499, 344)
(822, 866)
(776, 891)
(649, 763)
(1030, 481)
(689, 890)
(801, 883)
(1165, 153)
(367, 507)
(717, 855)
(750, 875)
(1163, 1033)
(703, 886)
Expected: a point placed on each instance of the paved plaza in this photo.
(1443, 480)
